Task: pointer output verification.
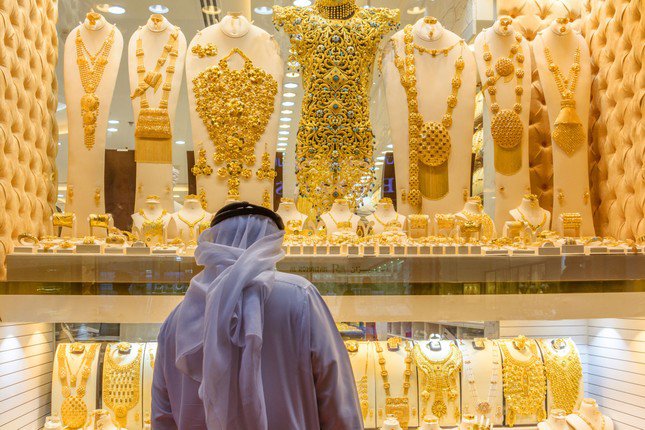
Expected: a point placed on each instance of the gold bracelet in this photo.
(27, 239)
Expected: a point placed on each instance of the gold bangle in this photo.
(27, 239)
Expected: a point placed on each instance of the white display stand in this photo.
(385, 218)
(86, 167)
(149, 357)
(557, 421)
(338, 216)
(434, 86)
(134, 418)
(570, 172)
(532, 215)
(235, 31)
(430, 424)
(508, 188)
(548, 343)
(590, 413)
(481, 380)
(185, 224)
(473, 208)
(290, 215)
(100, 419)
(441, 350)
(152, 211)
(153, 178)
(75, 361)
(363, 364)
(391, 423)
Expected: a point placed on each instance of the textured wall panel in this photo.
(28, 131)
(614, 31)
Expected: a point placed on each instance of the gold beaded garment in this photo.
(335, 141)
(235, 106)
(564, 373)
(440, 381)
(121, 383)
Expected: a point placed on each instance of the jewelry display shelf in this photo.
(139, 289)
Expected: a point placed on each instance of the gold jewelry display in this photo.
(571, 221)
(335, 142)
(151, 229)
(417, 226)
(391, 225)
(121, 383)
(440, 380)
(73, 410)
(534, 227)
(191, 225)
(361, 384)
(483, 407)
(506, 125)
(266, 170)
(99, 221)
(153, 131)
(483, 220)
(91, 68)
(63, 219)
(342, 225)
(235, 107)
(434, 52)
(208, 50)
(397, 406)
(564, 373)
(445, 222)
(524, 383)
(589, 423)
(568, 132)
(97, 196)
(266, 199)
(201, 167)
(430, 143)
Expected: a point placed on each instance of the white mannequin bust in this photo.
(513, 183)
(589, 417)
(124, 354)
(292, 218)
(430, 423)
(340, 217)
(185, 224)
(100, 419)
(235, 31)
(152, 211)
(156, 178)
(557, 421)
(532, 215)
(86, 152)
(570, 169)
(391, 423)
(474, 210)
(434, 75)
(385, 218)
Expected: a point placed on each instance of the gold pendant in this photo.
(483, 408)
(73, 412)
(507, 130)
(439, 408)
(400, 408)
(434, 144)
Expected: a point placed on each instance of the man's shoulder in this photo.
(290, 280)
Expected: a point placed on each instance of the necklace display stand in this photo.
(292, 218)
(149, 359)
(531, 215)
(86, 158)
(391, 423)
(385, 218)
(473, 210)
(122, 359)
(152, 212)
(189, 221)
(589, 417)
(234, 31)
(481, 380)
(510, 185)
(101, 420)
(434, 74)
(156, 177)
(570, 169)
(430, 423)
(340, 218)
(557, 421)
(361, 355)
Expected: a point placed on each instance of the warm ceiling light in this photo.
(158, 8)
(378, 163)
(263, 10)
(302, 3)
(291, 85)
(281, 144)
(116, 10)
(211, 10)
(285, 126)
(293, 74)
(286, 112)
(283, 132)
(112, 130)
(280, 149)
(180, 142)
(113, 121)
(288, 104)
(60, 143)
(285, 119)
(103, 7)
(283, 138)
(390, 146)
(381, 158)
(289, 95)
(416, 10)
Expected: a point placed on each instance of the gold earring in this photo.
(201, 167)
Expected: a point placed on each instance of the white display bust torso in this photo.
(185, 223)
(385, 218)
(532, 215)
(340, 217)
(589, 415)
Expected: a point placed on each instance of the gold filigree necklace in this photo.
(152, 228)
(73, 409)
(564, 373)
(121, 383)
(397, 406)
(191, 225)
(361, 384)
(440, 380)
(430, 142)
(91, 68)
(235, 107)
(506, 125)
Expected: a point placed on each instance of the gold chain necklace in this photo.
(440, 380)
(341, 225)
(524, 385)
(397, 406)
(191, 225)
(534, 227)
(506, 125)
(430, 142)
(73, 410)
(152, 228)
(91, 68)
(484, 407)
(567, 131)
(589, 423)
(121, 384)
(361, 384)
(235, 107)
(336, 9)
(435, 52)
(564, 373)
(153, 129)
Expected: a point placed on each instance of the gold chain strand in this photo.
(440, 380)
(361, 384)
(397, 406)
(589, 423)
(121, 384)
(430, 142)
(534, 227)
(524, 385)
(335, 143)
(564, 373)
(153, 131)
(340, 225)
(568, 132)
(506, 125)
(91, 68)
(191, 225)
(435, 52)
(151, 228)
(235, 107)
(73, 410)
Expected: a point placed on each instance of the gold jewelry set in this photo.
(74, 410)
(564, 373)
(201, 51)
(121, 382)
(91, 68)
(440, 381)
(507, 129)
(397, 406)
(429, 142)
(336, 9)
(483, 407)
(153, 132)
(589, 423)
(361, 384)
(192, 234)
(152, 228)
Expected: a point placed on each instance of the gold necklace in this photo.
(361, 385)
(533, 227)
(121, 384)
(191, 225)
(335, 142)
(153, 129)
(564, 373)
(152, 228)
(567, 131)
(342, 225)
(524, 384)
(397, 406)
(440, 380)
(336, 9)
(485, 221)
(435, 52)
(73, 410)
(506, 125)
(483, 407)
(589, 423)
(235, 107)
(392, 224)
(91, 68)
(430, 142)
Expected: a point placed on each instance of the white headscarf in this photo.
(221, 320)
